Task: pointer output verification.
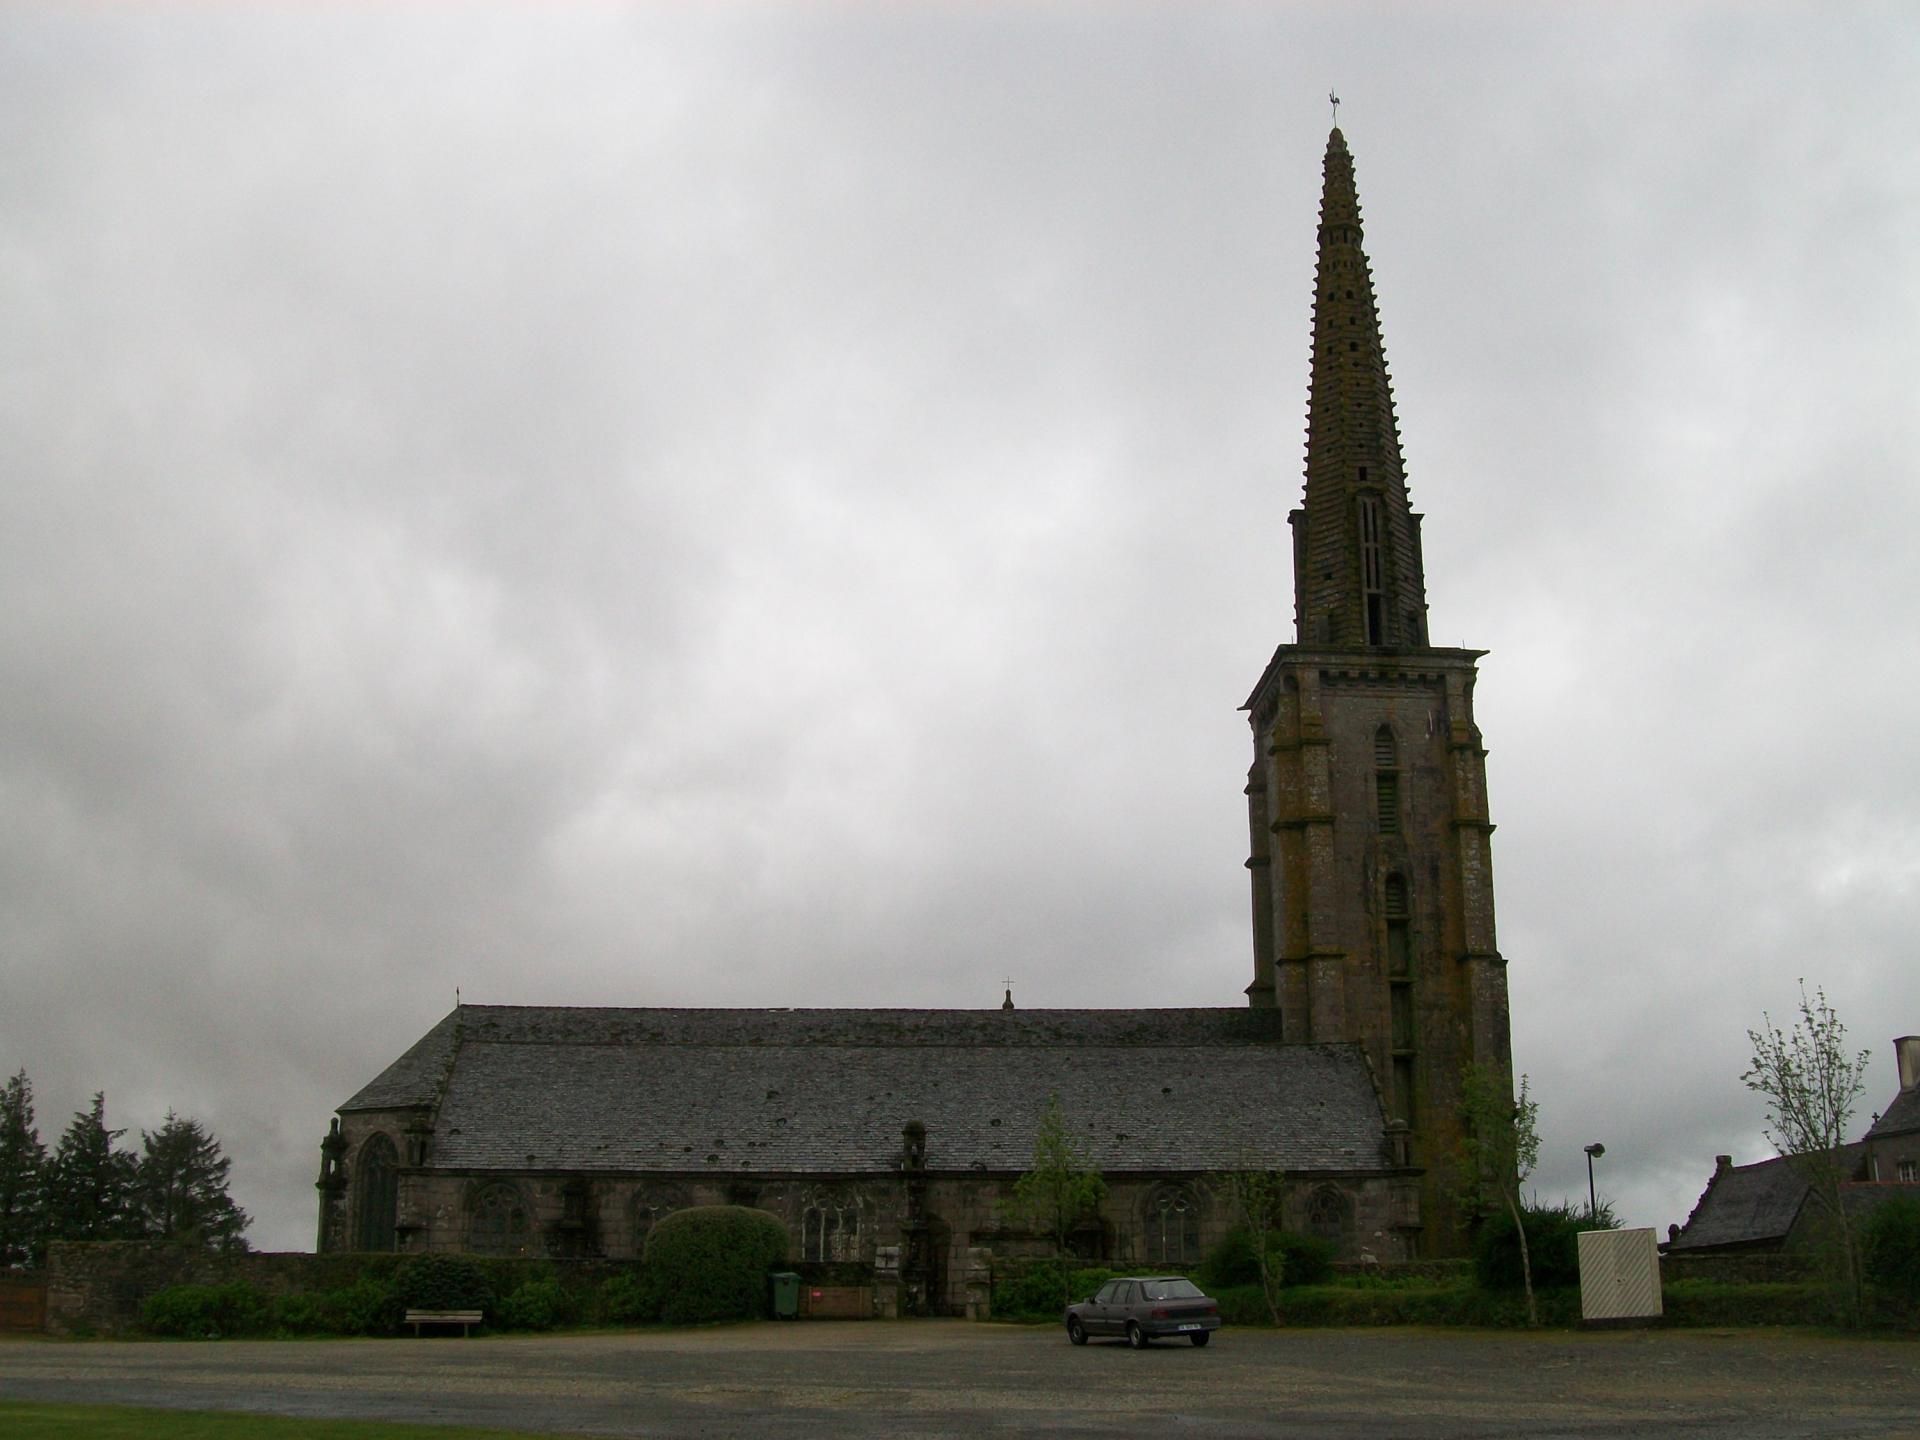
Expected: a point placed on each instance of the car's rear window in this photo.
(1172, 1290)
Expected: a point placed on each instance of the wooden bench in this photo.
(465, 1319)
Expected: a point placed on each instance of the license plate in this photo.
(1189, 1327)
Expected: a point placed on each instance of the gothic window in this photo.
(1173, 1226)
(830, 1227)
(1327, 1212)
(497, 1221)
(376, 1195)
(1386, 780)
(650, 1206)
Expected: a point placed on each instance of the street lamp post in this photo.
(1594, 1152)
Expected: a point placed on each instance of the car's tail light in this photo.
(1163, 1315)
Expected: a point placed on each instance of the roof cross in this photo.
(1334, 100)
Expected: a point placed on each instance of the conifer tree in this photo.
(23, 1177)
(89, 1192)
(181, 1189)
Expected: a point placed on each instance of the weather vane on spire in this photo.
(1334, 100)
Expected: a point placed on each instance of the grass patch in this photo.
(25, 1420)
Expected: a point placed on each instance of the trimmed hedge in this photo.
(208, 1312)
(711, 1262)
(1304, 1259)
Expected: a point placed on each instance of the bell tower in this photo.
(1371, 853)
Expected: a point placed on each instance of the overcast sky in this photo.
(779, 505)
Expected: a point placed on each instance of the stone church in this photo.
(891, 1138)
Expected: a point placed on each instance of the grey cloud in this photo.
(778, 506)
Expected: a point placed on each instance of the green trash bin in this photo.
(786, 1295)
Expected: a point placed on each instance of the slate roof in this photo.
(1756, 1205)
(1901, 1116)
(828, 1091)
(1744, 1205)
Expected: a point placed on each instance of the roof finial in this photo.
(1007, 1004)
(1334, 100)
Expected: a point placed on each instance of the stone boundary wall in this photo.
(1735, 1267)
(99, 1287)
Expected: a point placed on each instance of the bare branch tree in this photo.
(1811, 1085)
(1501, 1147)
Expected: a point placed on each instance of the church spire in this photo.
(1358, 580)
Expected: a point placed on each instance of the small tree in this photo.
(1254, 1198)
(23, 1177)
(1060, 1188)
(89, 1182)
(181, 1189)
(1811, 1085)
(1501, 1147)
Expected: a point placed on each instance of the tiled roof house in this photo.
(1768, 1206)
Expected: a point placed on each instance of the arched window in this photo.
(830, 1226)
(376, 1195)
(652, 1205)
(497, 1221)
(1327, 1215)
(1173, 1226)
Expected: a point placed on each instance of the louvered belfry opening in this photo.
(1386, 781)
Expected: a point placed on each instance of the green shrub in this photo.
(629, 1298)
(1552, 1244)
(1032, 1291)
(302, 1313)
(366, 1307)
(1890, 1251)
(711, 1262)
(441, 1282)
(207, 1312)
(1305, 1260)
(538, 1305)
(1720, 1302)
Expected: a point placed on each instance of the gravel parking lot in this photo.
(949, 1378)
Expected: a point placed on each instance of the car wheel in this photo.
(1136, 1337)
(1200, 1337)
(1076, 1332)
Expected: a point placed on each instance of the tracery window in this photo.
(652, 1205)
(1327, 1212)
(1173, 1226)
(497, 1221)
(830, 1226)
(376, 1195)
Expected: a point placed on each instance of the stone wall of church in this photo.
(1146, 1221)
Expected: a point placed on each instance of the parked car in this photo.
(1143, 1307)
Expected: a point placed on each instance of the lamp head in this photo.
(1596, 1149)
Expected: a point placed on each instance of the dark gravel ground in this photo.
(949, 1378)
